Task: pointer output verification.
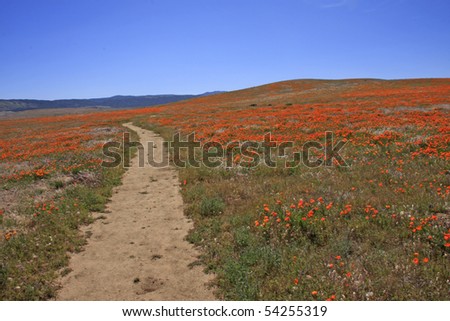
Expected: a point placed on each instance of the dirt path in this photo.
(138, 251)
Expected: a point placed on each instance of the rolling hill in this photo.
(109, 102)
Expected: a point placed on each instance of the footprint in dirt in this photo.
(149, 284)
(156, 257)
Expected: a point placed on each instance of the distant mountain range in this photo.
(109, 102)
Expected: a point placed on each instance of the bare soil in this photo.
(137, 249)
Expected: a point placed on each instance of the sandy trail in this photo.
(139, 251)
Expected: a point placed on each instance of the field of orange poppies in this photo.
(377, 229)
(50, 180)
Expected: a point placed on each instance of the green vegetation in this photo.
(32, 259)
(354, 256)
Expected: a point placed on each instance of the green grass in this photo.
(265, 263)
(211, 206)
(32, 260)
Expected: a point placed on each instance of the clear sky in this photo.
(88, 48)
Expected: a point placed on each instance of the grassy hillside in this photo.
(377, 229)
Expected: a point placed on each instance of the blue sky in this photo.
(82, 49)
